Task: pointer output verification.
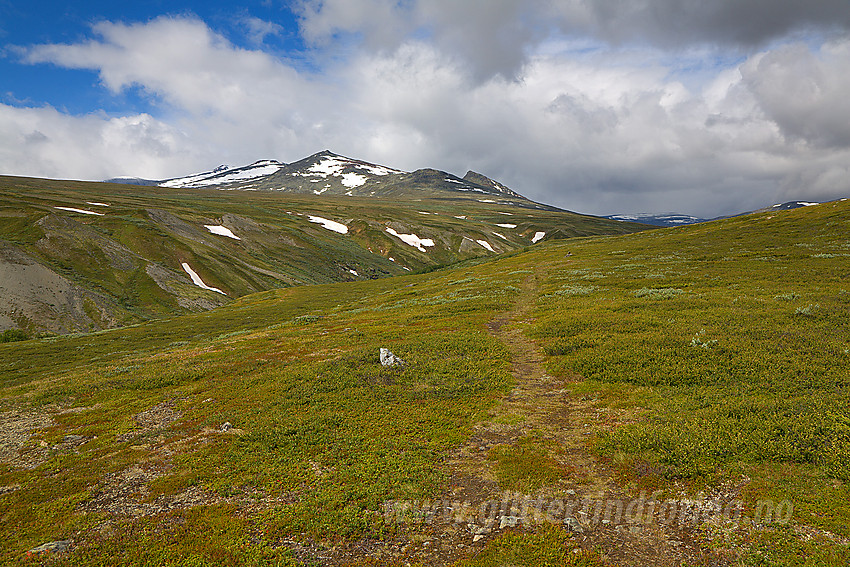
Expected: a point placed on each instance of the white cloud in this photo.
(48, 143)
(259, 29)
(804, 92)
(573, 123)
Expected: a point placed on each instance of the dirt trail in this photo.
(541, 405)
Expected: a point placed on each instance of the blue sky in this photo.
(45, 22)
(602, 107)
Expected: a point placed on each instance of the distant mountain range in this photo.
(663, 219)
(678, 219)
(327, 173)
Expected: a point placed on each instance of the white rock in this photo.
(508, 522)
(389, 359)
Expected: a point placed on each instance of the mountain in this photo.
(132, 181)
(327, 173)
(663, 219)
(227, 178)
(678, 219)
(82, 256)
(787, 206)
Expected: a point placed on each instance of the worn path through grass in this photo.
(534, 449)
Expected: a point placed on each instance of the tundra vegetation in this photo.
(725, 346)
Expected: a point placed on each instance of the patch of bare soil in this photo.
(16, 430)
(158, 417)
(126, 493)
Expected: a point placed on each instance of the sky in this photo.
(602, 107)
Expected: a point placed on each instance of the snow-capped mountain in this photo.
(678, 219)
(224, 175)
(663, 219)
(329, 173)
(789, 205)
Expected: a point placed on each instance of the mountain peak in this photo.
(484, 181)
(326, 172)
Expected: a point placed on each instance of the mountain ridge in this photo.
(326, 172)
(680, 219)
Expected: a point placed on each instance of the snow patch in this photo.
(221, 231)
(328, 166)
(335, 165)
(329, 224)
(196, 279)
(486, 201)
(412, 240)
(461, 217)
(96, 204)
(499, 235)
(485, 244)
(81, 211)
(353, 272)
(509, 214)
(537, 237)
(353, 180)
(507, 225)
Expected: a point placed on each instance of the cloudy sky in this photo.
(607, 106)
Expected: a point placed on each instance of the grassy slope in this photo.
(110, 256)
(734, 337)
(327, 435)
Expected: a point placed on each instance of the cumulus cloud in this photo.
(575, 123)
(46, 142)
(497, 36)
(804, 92)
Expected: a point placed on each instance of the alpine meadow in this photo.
(579, 391)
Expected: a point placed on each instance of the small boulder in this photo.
(573, 525)
(389, 359)
(225, 427)
(60, 546)
(508, 522)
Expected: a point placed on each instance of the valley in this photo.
(701, 367)
(82, 256)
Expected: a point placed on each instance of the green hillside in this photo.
(697, 368)
(82, 256)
